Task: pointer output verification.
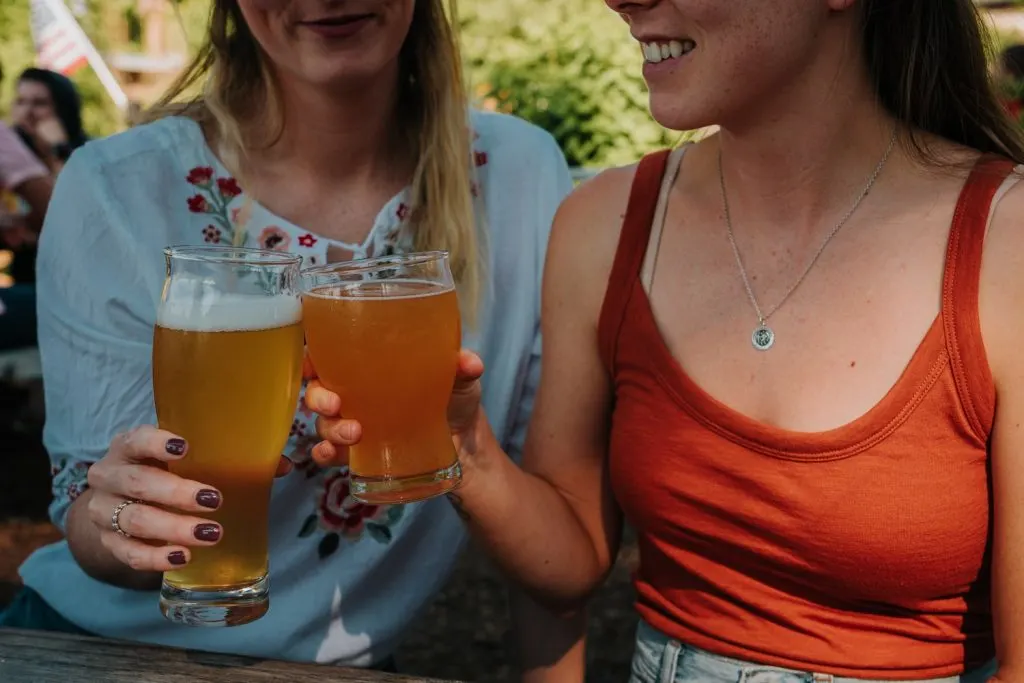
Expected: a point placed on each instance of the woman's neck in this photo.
(810, 149)
(349, 138)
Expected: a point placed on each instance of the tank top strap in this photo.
(961, 281)
(629, 255)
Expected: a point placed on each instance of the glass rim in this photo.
(369, 265)
(231, 255)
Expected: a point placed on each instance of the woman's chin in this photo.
(675, 112)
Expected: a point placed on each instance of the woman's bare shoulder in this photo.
(590, 218)
(1001, 303)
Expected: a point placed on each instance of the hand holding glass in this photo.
(384, 334)
(227, 366)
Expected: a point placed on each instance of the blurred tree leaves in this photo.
(570, 67)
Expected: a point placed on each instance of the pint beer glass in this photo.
(384, 334)
(227, 365)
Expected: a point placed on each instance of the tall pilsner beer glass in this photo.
(227, 365)
(384, 334)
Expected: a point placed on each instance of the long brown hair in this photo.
(230, 87)
(929, 63)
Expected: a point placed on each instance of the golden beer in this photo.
(390, 349)
(227, 368)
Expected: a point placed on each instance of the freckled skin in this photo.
(747, 57)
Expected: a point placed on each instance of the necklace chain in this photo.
(763, 337)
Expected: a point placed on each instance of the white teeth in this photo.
(673, 49)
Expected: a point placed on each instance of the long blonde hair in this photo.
(240, 101)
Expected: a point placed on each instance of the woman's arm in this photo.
(553, 525)
(36, 192)
(23, 174)
(550, 648)
(567, 525)
(1002, 317)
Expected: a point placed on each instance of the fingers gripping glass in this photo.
(227, 366)
(384, 334)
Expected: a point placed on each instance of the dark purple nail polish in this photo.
(207, 532)
(177, 558)
(175, 446)
(208, 498)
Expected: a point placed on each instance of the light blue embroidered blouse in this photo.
(346, 579)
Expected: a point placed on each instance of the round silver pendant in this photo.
(763, 338)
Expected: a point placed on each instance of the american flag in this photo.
(61, 45)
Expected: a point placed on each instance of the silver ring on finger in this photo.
(115, 517)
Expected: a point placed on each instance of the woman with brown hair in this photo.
(331, 130)
(789, 357)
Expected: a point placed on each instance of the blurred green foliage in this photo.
(569, 66)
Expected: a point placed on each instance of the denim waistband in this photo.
(659, 659)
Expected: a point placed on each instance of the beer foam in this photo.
(220, 312)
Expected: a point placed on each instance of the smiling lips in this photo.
(658, 51)
(345, 26)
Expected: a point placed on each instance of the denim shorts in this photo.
(659, 659)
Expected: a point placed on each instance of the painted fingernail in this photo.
(207, 532)
(208, 498)
(176, 446)
(177, 558)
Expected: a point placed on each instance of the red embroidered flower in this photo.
(341, 512)
(480, 158)
(275, 238)
(403, 211)
(228, 187)
(200, 175)
(198, 204)
(307, 240)
(211, 234)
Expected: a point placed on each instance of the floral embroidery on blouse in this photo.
(343, 517)
(273, 237)
(68, 479)
(213, 197)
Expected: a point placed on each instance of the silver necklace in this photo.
(763, 337)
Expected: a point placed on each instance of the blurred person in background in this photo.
(789, 356)
(330, 130)
(25, 182)
(47, 112)
(25, 189)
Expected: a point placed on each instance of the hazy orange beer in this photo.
(384, 334)
(227, 366)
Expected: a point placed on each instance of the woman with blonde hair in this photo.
(331, 130)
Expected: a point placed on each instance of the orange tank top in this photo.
(862, 551)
